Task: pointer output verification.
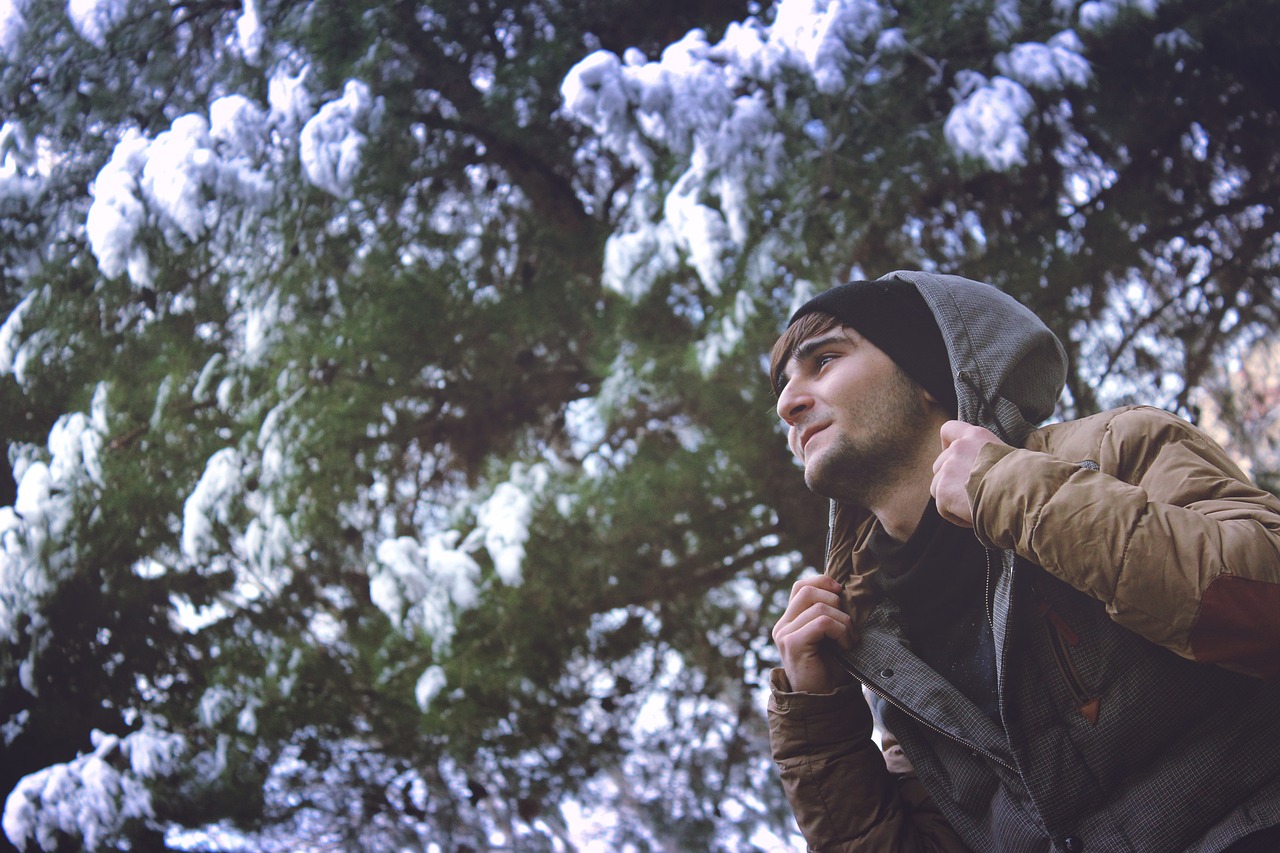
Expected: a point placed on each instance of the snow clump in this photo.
(93, 796)
(249, 33)
(424, 585)
(1051, 66)
(718, 108)
(49, 483)
(421, 585)
(988, 120)
(174, 183)
(332, 141)
(824, 34)
(13, 26)
(431, 682)
(95, 19)
(987, 124)
(504, 520)
(210, 504)
(1097, 15)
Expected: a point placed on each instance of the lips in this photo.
(808, 433)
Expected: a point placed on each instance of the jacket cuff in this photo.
(828, 719)
(988, 457)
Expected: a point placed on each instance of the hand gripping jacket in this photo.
(1134, 581)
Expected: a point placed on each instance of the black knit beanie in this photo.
(893, 315)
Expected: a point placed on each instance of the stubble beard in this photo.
(862, 470)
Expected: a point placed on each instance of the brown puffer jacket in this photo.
(1136, 610)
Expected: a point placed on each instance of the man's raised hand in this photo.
(814, 614)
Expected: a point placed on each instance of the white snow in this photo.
(117, 214)
(987, 125)
(10, 335)
(261, 325)
(177, 183)
(179, 164)
(429, 685)
(15, 154)
(505, 519)
(95, 19)
(332, 140)
(699, 230)
(289, 100)
(215, 703)
(427, 584)
(33, 553)
(211, 503)
(238, 123)
(249, 33)
(13, 26)
(823, 32)
(89, 798)
(419, 586)
(686, 102)
(1098, 15)
(1051, 66)
(634, 260)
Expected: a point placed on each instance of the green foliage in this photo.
(317, 418)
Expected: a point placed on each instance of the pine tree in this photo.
(393, 462)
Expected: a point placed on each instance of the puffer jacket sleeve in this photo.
(844, 796)
(1147, 514)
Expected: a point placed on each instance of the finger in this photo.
(806, 598)
(819, 581)
(820, 612)
(812, 626)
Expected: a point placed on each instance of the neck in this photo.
(900, 506)
(900, 513)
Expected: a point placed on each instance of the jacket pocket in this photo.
(1062, 639)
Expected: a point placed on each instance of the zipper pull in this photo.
(1069, 636)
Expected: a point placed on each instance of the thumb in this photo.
(950, 432)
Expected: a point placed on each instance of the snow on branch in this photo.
(717, 111)
(49, 481)
(92, 797)
(95, 19)
(987, 124)
(204, 169)
(423, 585)
(988, 121)
(175, 184)
(13, 26)
(333, 140)
(1052, 66)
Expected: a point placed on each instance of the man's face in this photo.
(855, 420)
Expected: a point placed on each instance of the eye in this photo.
(825, 359)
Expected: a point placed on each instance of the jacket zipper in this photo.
(990, 601)
(849, 667)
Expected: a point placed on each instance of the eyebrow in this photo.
(806, 349)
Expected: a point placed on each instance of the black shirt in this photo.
(938, 578)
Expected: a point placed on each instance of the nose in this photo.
(793, 401)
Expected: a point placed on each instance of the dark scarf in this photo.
(938, 578)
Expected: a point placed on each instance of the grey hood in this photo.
(1007, 366)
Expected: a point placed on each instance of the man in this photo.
(1070, 635)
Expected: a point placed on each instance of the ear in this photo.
(931, 402)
